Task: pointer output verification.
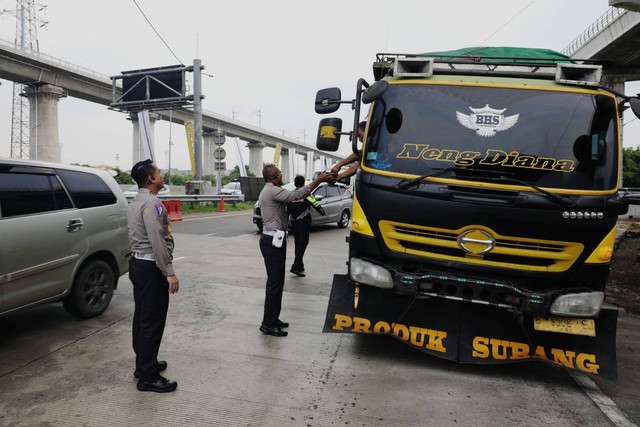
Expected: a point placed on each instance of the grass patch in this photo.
(206, 207)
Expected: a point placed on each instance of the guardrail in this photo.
(593, 30)
(201, 197)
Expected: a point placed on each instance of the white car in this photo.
(232, 188)
(133, 192)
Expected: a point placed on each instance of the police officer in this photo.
(152, 275)
(273, 243)
(300, 218)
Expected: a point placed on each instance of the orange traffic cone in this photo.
(221, 207)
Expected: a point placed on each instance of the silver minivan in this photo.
(63, 236)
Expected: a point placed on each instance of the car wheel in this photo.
(344, 219)
(92, 290)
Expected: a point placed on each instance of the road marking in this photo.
(212, 234)
(179, 258)
(606, 405)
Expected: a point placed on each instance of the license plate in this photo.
(565, 325)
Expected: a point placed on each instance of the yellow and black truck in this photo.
(485, 208)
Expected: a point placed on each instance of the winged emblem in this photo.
(487, 121)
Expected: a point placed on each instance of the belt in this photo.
(147, 257)
(271, 233)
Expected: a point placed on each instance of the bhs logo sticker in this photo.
(486, 121)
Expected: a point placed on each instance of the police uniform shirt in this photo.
(150, 229)
(273, 208)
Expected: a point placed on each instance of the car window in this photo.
(320, 191)
(31, 193)
(87, 190)
(332, 191)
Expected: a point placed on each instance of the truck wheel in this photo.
(344, 219)
(92, 290)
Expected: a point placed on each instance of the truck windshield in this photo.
(552, 139)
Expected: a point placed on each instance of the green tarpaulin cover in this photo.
(502, 53)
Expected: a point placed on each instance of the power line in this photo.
(508, 22)
(156, 31)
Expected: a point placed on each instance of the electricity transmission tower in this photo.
(27, 40)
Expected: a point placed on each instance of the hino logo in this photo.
(476, 242)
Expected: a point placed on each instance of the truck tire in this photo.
(344, 219)
(92, 290)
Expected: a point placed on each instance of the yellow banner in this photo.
(276, 155)
(188, 127)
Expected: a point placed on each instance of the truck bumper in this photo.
(467, 332)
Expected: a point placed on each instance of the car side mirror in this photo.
(329, 132)
(318, 197)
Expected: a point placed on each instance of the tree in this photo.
(123, 177)
(631, 167)
(178, 179)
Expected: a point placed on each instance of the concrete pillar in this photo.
(208, 146)
(138, 151)
(310, 164)
(255, 157)
(284, 166)
(293, 162)
(44, 142)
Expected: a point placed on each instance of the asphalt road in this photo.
(58, 371)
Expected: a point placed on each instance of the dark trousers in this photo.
(300, 229)
(274, 261)
(151, 296)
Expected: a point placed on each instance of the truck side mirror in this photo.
(328, 100)
(635, 106)
(329, 132)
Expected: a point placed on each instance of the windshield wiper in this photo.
(406, 183)
(556, 198)
(502, 177)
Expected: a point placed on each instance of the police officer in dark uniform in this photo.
(300, 218)
(152, 275)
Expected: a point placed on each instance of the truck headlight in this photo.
(586, 304)
(368, 273)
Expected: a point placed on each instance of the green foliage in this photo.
(177, 179)
(202, 207)
(631, 167)
(123, 177)
(182, 180)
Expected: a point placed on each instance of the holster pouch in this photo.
(278, 238)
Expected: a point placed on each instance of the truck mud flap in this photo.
(468, 332)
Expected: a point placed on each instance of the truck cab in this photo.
(488, 181)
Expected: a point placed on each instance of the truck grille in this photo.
(508, 251)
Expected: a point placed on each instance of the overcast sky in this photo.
(267, 58)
